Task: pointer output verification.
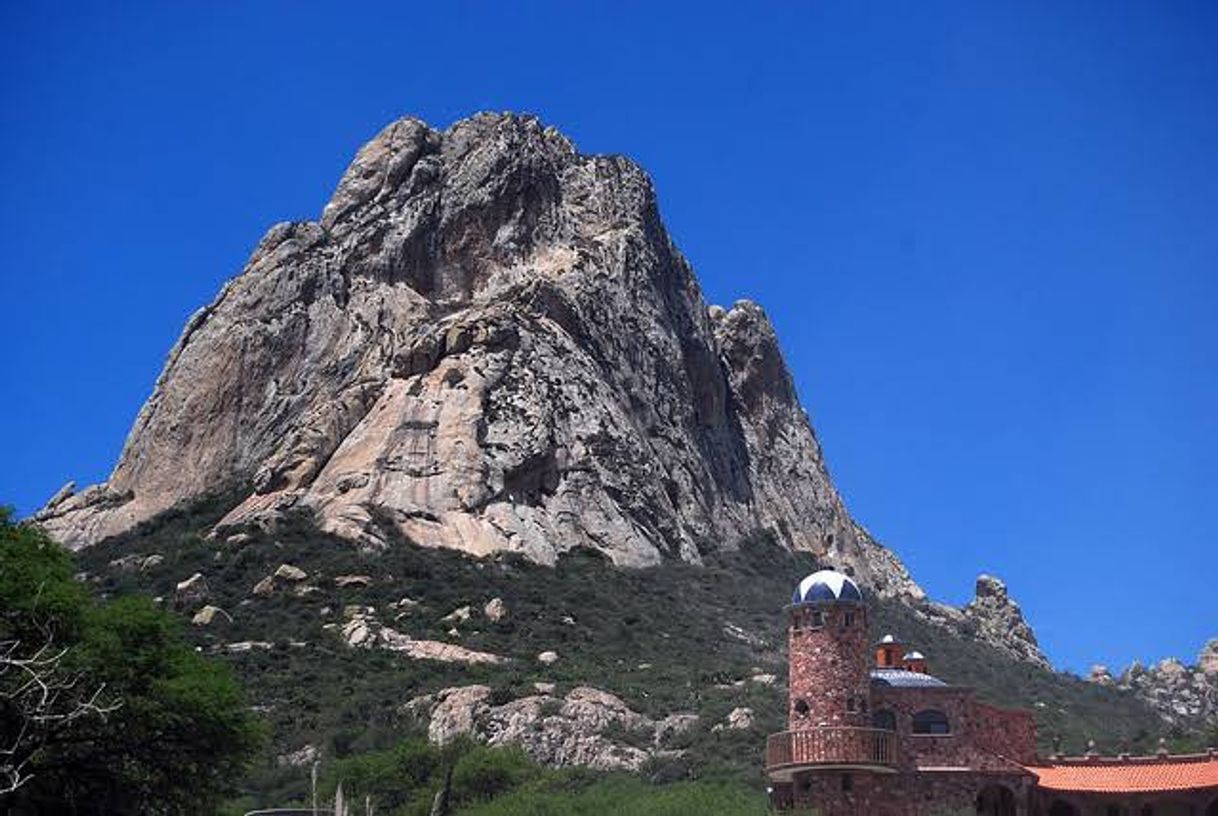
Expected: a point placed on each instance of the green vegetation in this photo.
(503, 781)
(110, 709)
(674, 638)
(624, 796)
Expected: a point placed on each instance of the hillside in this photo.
(672, 639)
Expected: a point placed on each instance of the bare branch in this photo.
(44, 699)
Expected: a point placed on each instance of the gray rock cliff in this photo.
(487, 342)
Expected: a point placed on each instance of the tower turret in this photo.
(889, 653)
(829, 653)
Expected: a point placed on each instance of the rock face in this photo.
(587, 727)
(1000, 621)
(487, 342)
(1177, 691)
(992, 617)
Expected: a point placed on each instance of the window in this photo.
(852, 704)
(801, 708)
(847, 783)
(884, 719)
(931, 721)
(850, 619)
(816, 618)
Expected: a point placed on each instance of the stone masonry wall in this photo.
(1006, 732)
(905, 794)
(829, 666)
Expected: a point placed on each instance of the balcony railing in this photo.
(840, 746)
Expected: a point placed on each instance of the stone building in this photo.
(871, 732)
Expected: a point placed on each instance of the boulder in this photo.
(1099, 674)
(459, 615)
(302, 757)
(495, 610)
(547, 658)
(344, 581)
(456, 711)
(740, 719)
(287, 572)
(127, 563)
(208, 614)
(191, 592)
(363, 631)
(249, 646)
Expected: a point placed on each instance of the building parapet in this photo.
(831, 747)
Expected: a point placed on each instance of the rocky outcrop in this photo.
(992, 617)
(1179, 692)
(588, 727)
(486, 342)
(362, 630)
(738, 719)
(1000, 621)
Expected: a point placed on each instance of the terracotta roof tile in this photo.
(1138, 774)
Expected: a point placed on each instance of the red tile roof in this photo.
(1133, 775)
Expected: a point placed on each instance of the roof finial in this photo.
(1091, 752)
(1162, 752)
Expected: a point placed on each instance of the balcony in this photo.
(872, 749)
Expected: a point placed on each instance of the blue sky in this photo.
(986, 232)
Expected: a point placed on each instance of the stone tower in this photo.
(830, 654)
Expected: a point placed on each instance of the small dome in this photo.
(826, 585)
(887, 639)
(914, 656)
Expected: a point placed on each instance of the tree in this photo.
(38, 701)
(134, 720)
(41, 610)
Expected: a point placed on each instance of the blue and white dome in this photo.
(826, 585)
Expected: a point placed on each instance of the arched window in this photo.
(884, 719)
(801, 708)
(931, 721)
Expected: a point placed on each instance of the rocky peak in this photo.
(486, 342)
(999, 620)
